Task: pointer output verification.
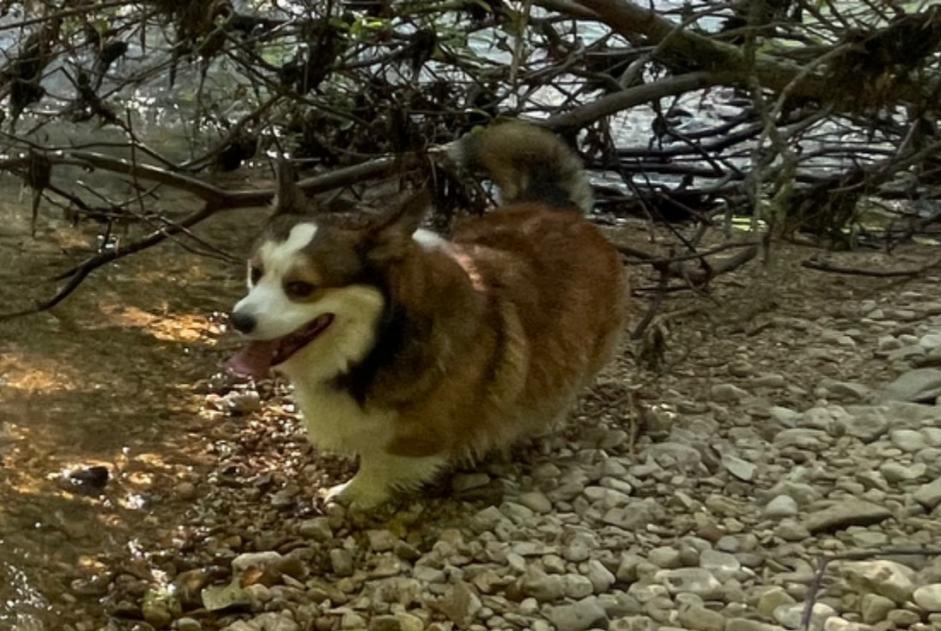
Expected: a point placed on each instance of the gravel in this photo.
(714, 519)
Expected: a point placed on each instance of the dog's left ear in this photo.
(392, 232)
(288, 199)
(405, 217)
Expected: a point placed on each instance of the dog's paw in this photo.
(357, 495)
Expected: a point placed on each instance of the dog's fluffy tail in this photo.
(528, 163)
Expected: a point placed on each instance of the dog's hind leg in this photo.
(381, 474)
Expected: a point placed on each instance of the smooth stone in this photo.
(691, 580)
(929, 495)
(579, 616)
(772, 598)
(741, 469)
(895, 472)
(781, 506)
(790, 616)
(928, 597)
(886, 578)
(874, 608)
(698, 618)
(847, 513)
(746, 624)
(918, 385)
(908, 440)
(536, 502)
(727, 393)
(722, 565)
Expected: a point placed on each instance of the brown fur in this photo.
(522, 311)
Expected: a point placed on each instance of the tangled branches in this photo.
(805, 117)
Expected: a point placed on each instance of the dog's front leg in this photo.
(380, 475)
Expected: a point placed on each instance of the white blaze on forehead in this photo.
(276, 256)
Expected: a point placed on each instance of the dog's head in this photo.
(316, 285)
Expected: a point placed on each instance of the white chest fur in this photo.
(336, 422)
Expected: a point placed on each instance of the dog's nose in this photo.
(242, 322)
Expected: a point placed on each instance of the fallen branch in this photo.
(631, 97)
(825, 266)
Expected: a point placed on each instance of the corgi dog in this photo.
(412, 351)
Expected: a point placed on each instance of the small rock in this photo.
(460, 604)
(790, 530)
(185, 491)
(579, 548)
(577, 586)
(381, 540)
(241, 403)
(385, 623)
(219, 597)
(780, 507)
(888, 343)
(260, 560)
(727, 393)
(159, 608)
(874, 608)
(921, 385)
(721, 565)
(846, 390)
(698, 618)
(929, 495)
(691, 580)
(541, 586)
(847, 513)
(317, 529)
(773, 598)
(886, 578)
(187, 624)
(741, 469)
(908, 440)
(579, 616)
(89, 480)
(864, 423)
(802, 438)
(744, 624)
(928, 597)
(536, 502)
(902, 618)
(894, 472)
(600, 577)
(836, 623)
(664, 557)
(769, 380)
(341, 561)
(789, 616)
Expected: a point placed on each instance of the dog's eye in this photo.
(299, 289)
(255, 274)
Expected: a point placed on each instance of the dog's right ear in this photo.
(288, 198)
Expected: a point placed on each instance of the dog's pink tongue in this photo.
(254, 360)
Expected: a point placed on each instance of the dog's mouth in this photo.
(258, 357)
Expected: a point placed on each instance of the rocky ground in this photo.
(772, 464)
(780, 470)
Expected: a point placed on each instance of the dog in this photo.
(412, 351)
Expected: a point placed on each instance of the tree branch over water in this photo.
(789, 113)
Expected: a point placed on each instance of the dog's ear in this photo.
(389, 235)
(406, 215)
(288, 198)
